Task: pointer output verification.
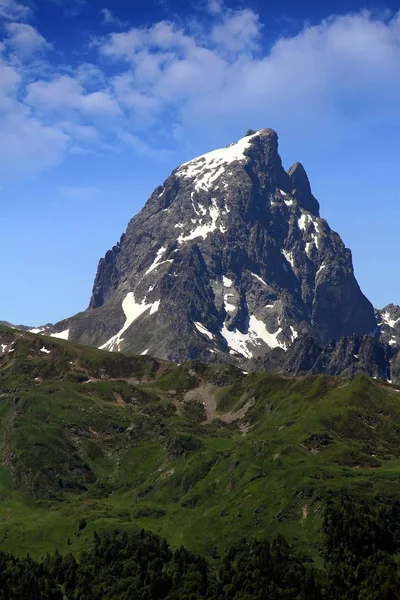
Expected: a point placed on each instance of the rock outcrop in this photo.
(347, 357)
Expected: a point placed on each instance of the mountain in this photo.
(228, 259)
(22, 327)
(201, 454)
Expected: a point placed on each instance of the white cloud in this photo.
(43, 120)
(24, 39)
(89, 75)
(26, 143)
(215, 7)
(222, 77)
(81, 134)
(9, 81)
(108, 18)
(327, 78)
(65, 93)
(10, 9)
(170, 83)
(27, 146)
(239, 31)
(143, 109)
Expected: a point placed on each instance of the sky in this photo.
(100, 101)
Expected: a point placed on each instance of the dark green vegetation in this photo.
(201, 455)
(358, 547)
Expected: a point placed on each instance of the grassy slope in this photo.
(125, 450)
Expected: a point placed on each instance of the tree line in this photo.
(360, 542)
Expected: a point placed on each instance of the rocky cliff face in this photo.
(350, 355)
(228, 259)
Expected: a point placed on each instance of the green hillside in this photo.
(201, 455)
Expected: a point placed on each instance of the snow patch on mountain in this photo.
(156, 263)
(259, 279)
(289, 257)
(302, 221)
(62, 335)
(386, 318)
(203, 229)
(227, 282)
(239, 342)
(206, 169)
(200, 210)
(227, 305)
(203, 330)
(258, 328)
(132, 311)
(157, 259)
(315, 236)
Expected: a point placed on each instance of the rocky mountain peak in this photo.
(227, 260)
(257, 152)
(301, 188)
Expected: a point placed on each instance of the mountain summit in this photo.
(228, 258)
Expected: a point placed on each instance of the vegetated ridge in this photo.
(201, 454)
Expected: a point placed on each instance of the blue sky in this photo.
(99, 102)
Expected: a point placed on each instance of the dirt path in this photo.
(119, 399)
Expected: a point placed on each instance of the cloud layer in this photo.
(153, 88)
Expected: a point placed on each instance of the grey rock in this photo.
(302, 355)
(388, 328)
(395, 368)
(346, 357)
(301, 189)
